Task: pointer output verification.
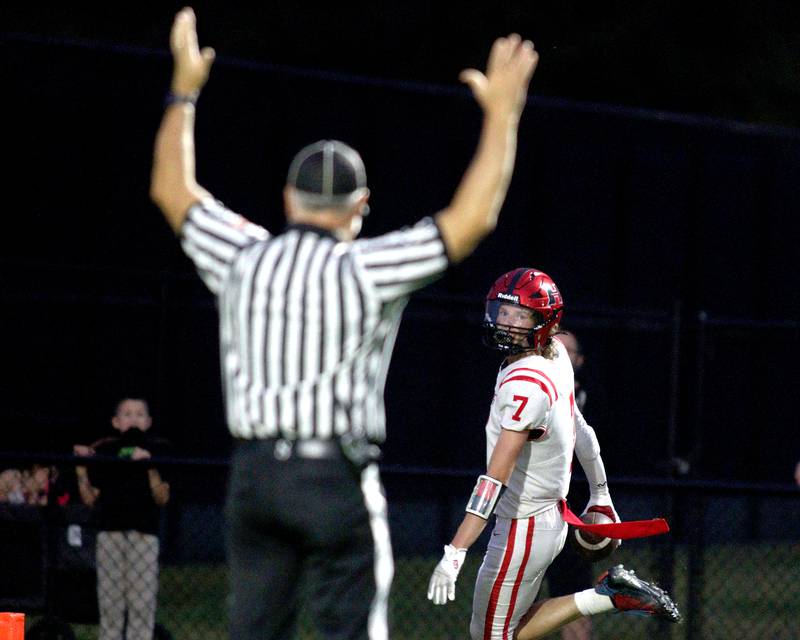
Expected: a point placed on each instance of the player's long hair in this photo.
(549, 349)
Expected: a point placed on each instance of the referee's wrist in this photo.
(181, 97)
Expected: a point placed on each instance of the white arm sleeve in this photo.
(587, 448)
(586, 445)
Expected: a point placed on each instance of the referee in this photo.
(308, 320)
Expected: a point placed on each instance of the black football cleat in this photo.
(633, 595)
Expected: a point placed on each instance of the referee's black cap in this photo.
(328, 173)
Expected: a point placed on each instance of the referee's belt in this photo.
(313, 449)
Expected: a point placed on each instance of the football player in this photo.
(532, 431)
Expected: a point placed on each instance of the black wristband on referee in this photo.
(175, 98)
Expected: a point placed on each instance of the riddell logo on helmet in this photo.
(508, 296)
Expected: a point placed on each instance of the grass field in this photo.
(752, 592)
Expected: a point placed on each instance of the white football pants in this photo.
(508, 581)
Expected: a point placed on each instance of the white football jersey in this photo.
(537, 395)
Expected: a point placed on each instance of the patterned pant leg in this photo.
(110, 592)
(508, 581)
(141, 584)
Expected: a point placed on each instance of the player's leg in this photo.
(618, 589)
(569, 574)
(629, 593)
(517, 556)
(110, 580)
(547, 616)
(580, 629)
(352, 569)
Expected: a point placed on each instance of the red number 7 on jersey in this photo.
(523, 400)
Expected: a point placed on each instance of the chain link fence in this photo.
(732, 561)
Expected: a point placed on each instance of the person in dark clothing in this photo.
(126, 499)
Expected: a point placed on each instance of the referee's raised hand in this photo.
(191, 64)
(504, 86)
(313, 406)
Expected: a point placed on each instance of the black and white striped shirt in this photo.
(307, 323)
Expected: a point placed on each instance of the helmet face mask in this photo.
(521, 309)
(511, 327)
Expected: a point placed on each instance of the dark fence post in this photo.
(666, 558)
(674, 381)
(700, 376)
(696, 508)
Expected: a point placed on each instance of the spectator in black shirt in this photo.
(126, 499)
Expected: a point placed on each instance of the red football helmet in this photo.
(521, 308)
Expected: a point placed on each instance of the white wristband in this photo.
(484, 497)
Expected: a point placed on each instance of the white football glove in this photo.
(442, 585)
(605, 507)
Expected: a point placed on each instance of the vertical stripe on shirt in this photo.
(307, 323)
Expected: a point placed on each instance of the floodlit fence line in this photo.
(732, 559)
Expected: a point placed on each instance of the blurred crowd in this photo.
(37, 484)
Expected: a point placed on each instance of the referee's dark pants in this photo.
(303, 514)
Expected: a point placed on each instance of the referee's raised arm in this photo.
(501, 94)
(308, 320)
(173, 186)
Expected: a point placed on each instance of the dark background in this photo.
(656, 182)
(728, 59)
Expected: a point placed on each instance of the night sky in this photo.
(630, 205)
(738, 60)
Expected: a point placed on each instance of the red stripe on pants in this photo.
(491, 607)
(520, 573)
